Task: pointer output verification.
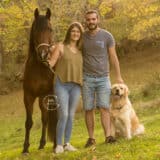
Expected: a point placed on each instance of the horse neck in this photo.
(31, 57)
(32, 51)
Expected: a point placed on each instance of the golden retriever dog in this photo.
(124, 121)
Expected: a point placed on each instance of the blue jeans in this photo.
(68, 95)
(96, 92)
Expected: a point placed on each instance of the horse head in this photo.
(41, 35)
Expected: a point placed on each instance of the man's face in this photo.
(92, 21)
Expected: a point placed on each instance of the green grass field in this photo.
(144, 89)
(145, 147)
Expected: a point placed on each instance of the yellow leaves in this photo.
(91, 151)
(141, 19)
(93, 2)
(93, 158)
(118, 155)
(14, 11)
(139, 8)
(13, 19)
(105, 7)
(145, 28)
(158, 155)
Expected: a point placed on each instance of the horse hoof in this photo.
(41, 147)
(25, 153)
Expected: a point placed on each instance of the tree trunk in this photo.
(1, 56)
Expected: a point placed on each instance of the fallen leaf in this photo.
(94, 158)
(118, 155)
(93, 149)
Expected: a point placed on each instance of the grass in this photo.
(146, 147)
(144, 87)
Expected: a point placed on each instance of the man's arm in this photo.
(115, 63)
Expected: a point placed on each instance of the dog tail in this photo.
(139, 130)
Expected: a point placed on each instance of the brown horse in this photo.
(38, 78)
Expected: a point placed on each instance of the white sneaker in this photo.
(69, 147)
(59, 149)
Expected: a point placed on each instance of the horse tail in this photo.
(52, 124)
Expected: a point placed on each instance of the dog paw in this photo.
(129, 137)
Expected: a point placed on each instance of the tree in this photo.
(125, 19)
(16, 22)
(135, 20)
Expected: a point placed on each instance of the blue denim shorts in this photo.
(96, 92)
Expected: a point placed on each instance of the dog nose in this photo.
(117, 92)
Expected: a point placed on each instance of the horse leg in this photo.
(28, 101)
(44, 119)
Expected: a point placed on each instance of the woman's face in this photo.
(75, 34)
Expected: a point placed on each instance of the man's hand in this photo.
(119, 80)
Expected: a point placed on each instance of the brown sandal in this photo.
(90, 142)
(110, 139)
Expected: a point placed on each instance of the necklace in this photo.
(73, 49)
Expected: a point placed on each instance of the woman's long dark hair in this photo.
(68, 34)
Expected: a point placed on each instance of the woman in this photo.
(68, 82)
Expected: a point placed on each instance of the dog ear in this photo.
(126, 90)
(112, 89)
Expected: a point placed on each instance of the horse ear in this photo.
(48, 13)
(36, 13)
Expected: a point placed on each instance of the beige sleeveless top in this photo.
(69, 66)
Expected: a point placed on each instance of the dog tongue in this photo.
(116, 96)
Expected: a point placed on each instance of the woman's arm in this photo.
(56, 53)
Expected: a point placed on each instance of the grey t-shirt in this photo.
(95, 53)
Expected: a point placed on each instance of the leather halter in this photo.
(42, 44)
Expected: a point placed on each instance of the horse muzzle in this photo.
(43, 51)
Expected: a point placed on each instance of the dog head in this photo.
(119, 90)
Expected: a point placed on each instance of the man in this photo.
(98, 50)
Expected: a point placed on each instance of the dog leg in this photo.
(127, 124)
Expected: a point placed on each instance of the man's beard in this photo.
(92, 26)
